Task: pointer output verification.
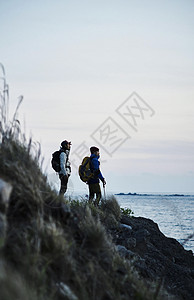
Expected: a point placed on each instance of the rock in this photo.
(66, 292)
(142, 235)
(125, 226)
(156, 256)
(5, 191)
(131, 242)
(124, 252)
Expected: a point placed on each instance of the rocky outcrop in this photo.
(5, 191)
(156, 256)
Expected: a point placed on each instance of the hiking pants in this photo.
(94, 188)
(64, 181)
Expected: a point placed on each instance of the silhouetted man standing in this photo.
(94, 182)
(65, 166)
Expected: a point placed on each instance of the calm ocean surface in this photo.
(173, 214)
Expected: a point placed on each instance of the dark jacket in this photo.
(95, 168)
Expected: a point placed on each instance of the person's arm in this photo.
(63, 158)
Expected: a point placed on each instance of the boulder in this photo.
(5, 191)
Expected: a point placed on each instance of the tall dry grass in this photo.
(54, 248)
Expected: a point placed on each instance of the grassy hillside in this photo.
(54, 248)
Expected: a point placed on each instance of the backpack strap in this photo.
(91, 158)
(67, 156)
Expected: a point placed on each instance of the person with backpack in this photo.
(65, 166)
(94, 181)
(61, 164)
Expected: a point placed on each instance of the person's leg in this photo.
(91, 192)
(98, 193)
(64, 181)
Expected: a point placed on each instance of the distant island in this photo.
(131, 194)
(136, 194)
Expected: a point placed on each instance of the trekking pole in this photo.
(104, 192)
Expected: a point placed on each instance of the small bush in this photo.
(111, 206)
(95, 237)
(111, 212)
(126, 212)
(53, 242)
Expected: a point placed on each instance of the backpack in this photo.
(84, 170)
(55, 161)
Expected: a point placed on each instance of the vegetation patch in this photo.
(55, 248)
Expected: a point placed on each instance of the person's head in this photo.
(95, 150)
(66, 145)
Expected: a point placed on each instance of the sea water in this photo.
(173, 213)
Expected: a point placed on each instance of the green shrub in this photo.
(126, 212)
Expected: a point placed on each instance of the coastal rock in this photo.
(130, 242)
(124, 252)
(142, 236)
(157, 256)
(125, 226)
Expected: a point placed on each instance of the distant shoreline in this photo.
(147, 195)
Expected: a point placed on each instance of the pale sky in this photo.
(77, 62)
